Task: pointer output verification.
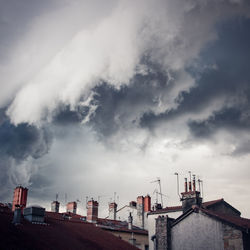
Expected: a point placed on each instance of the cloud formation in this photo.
(111, 50)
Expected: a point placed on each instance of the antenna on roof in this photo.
(65, 198)
(202, 190)
(156, 196)
(87, 202)
(159, 183)
(57, 196)
(177, 176)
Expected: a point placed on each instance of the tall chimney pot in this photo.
(186, 185)
(20, 198)
(92, 211)
(194, 183)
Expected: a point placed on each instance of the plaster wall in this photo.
(197, 232)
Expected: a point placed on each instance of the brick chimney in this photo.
(55, 206)
(190, 198)
(92, 212)
(19, 198)
(112, 210)
(147, 203)
(71, 207)
(140, 211)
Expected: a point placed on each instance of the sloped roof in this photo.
(210, 204)
(206, 204)
(242, 223)
(235, 221)
(56, 234)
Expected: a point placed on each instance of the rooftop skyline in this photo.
(102, 97)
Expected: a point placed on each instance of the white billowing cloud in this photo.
(21, 172)
(110, 48)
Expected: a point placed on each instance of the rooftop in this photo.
(57, 233)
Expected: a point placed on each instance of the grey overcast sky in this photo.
(100, 97)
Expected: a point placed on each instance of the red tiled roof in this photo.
(56, 234)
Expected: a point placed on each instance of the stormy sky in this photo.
(100, 97)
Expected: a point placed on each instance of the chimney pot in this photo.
(92, 211)
(20, 197)
(112, 210)
(71, 207)
(186, 187)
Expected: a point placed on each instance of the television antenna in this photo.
(158, 180)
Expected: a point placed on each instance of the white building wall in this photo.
(197, 232)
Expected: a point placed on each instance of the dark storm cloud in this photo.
(64, 116)
(18, 145)
(229, 118)
(122, 107)
(23, 140)
(221, 73)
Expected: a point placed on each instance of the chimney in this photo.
(130, 221)
(190, 186)
(55, 206)
(71, 207)
(186, 185)
(190, 198)
(147, 203)
(194, 183)
(112, 210)
(140, 211)
(92, 212)
(20, 198)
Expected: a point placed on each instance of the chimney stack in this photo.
(130, 222)
(20, 198)
(55, 206)
(190, 198)
(190, 186)
(112, 210)
(140, 211)
(186, 185)
(71, 207)
(92, 212)
(147, 203)
(194, 183)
